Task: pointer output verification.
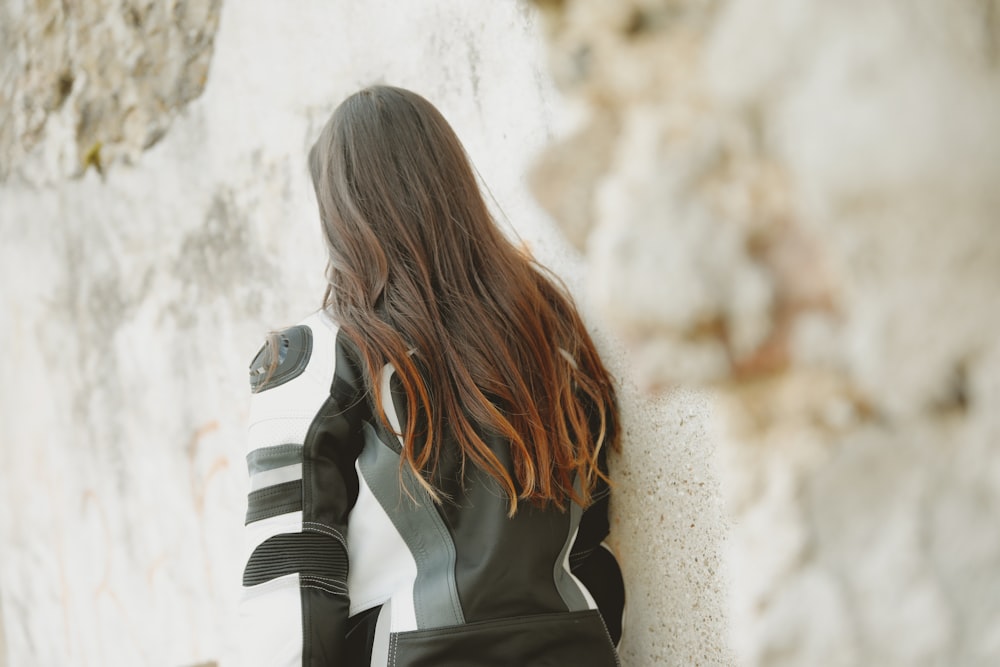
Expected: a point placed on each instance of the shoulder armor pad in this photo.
(294, 347)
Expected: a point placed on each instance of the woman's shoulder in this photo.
(305, 348)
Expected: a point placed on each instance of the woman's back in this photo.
(352, 563)
(428, 452)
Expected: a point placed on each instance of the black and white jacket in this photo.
(343, 567)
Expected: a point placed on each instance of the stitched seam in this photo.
(306, 583)
(326, 580)
(326, 530)
(322, 587)
(303, 575)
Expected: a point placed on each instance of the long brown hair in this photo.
(482, 338)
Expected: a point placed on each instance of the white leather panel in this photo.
(382, 567)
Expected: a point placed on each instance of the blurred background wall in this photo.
(156, 220)
(797, 203)
(791, 204)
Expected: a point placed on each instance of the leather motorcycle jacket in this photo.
(350, 562)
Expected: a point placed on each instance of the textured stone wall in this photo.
(135, 288)
(86, 84)
(796, 204)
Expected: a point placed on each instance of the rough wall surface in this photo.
(132, 300)
(796, 203)
(87, 84)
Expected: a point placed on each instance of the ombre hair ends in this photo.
(482, 338)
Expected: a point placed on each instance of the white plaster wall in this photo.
(132, 302)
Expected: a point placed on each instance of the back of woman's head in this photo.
(421, 278)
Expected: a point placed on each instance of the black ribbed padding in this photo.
(312, 555)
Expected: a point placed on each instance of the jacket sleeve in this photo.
(303, 439)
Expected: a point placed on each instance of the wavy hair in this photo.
(482, 338)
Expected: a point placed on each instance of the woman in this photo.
(427, 452)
